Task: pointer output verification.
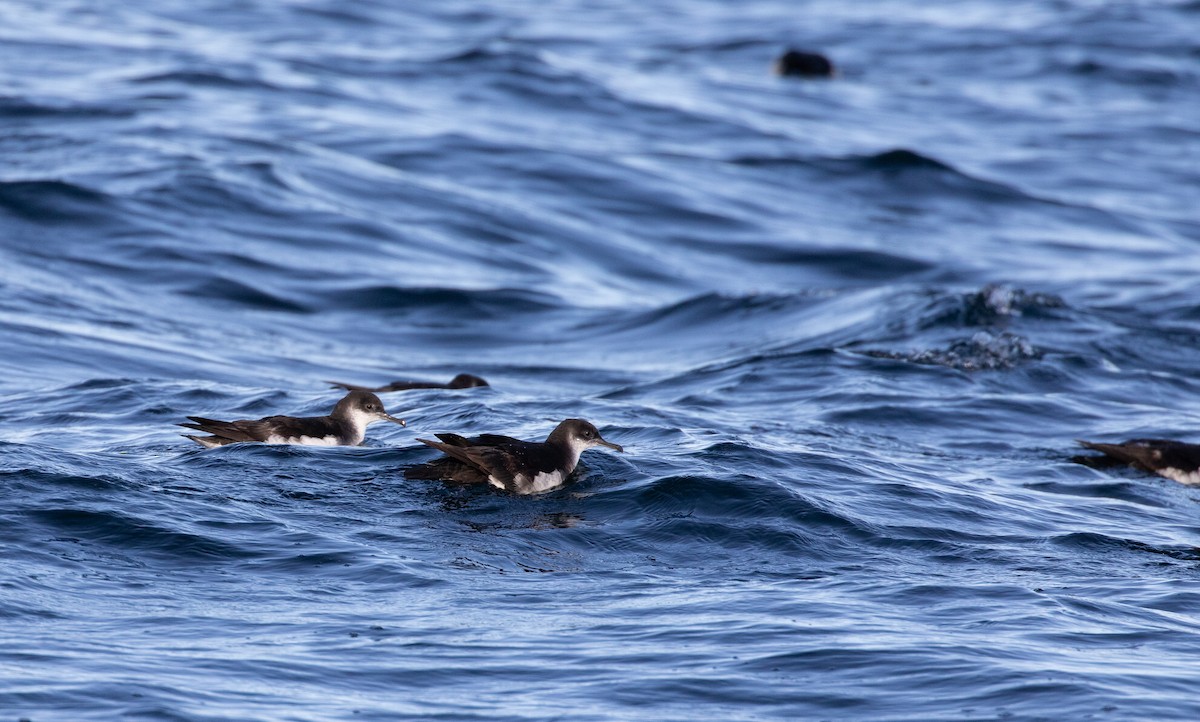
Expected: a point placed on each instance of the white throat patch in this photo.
(359, 420)
(578, 446)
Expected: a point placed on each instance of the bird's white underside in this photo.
(303, 440)
(542, 481)
(1191, 478)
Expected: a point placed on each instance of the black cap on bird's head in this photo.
(577, 432)
(364, 403)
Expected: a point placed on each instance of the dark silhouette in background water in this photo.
(802, 63)
(461, 381)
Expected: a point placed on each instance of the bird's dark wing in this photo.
(447, 469)
(481, 440)
(350, 387)
(393, 386)
(495, 440)
(1177, 455)
(496, 462)
(228, 432)
(410, 386)
(262, 429)
(291, 427)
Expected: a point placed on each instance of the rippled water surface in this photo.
(847, 331)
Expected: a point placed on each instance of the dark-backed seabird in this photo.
(462, 381)
(1173, 459)
(521, 467)
(346, 425)
(803, 63)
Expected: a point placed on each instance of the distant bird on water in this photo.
(1174, 460)
(804, 64)
(462, 381)
(346, 425)
(520, 467)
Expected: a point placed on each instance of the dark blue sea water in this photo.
(847, 331)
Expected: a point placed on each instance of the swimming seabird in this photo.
(461, 381)
(346, 425)
(1174, 460)
(521, 467)
(803, 63)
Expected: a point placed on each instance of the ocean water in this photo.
(847, 331)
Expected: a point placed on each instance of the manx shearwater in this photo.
(346, 425)
(461, 381)
(520, 467)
